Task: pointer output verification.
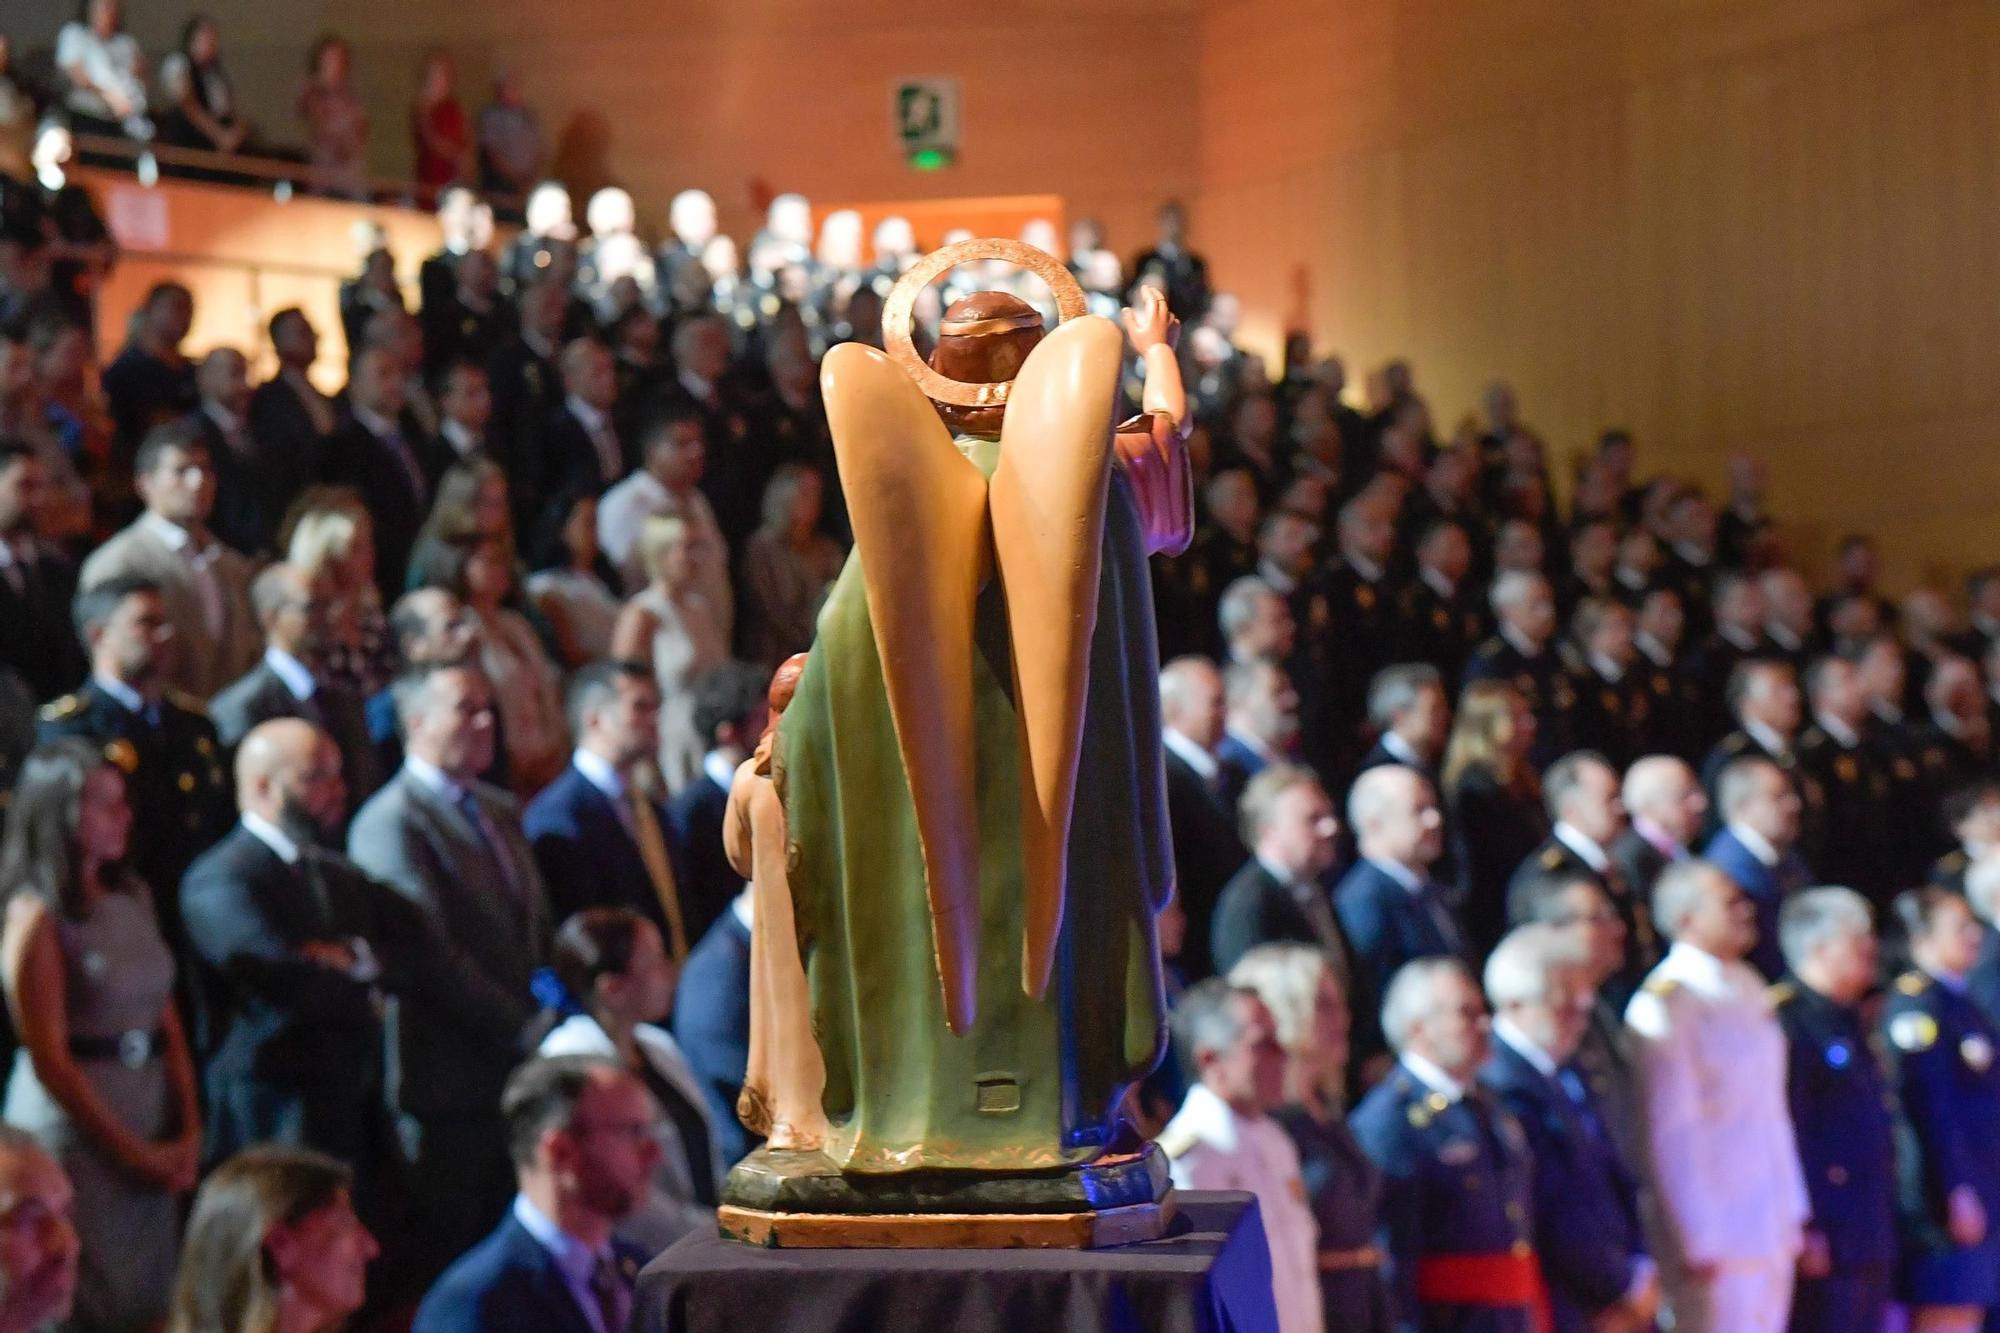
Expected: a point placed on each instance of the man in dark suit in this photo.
(1411, 715)
(1757, 847)
(296, 951)
(1764, 698)
(1581, 793)
(1437, 620)
(1665, 806)
(1738, 638)
(526, 388)
(731, 705)
(590, 827)
(1280, 894)
(1184, 272)
(161, 738)
(579, 449)
(36, 580)
(1839, 1101)
(289, 417)
(1207, 850)
(453, 846)
(1390, 907)
(372, 453)
(1586, 1210)
(578, 1133)
(254, 484)
(712, 1021)
(738, 465)
(1520, 655)
(292, 608)
(469, 319)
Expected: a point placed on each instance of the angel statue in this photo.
(970, 770)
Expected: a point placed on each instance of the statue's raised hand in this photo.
(1151, 325)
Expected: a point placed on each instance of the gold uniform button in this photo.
(187, 782)
(1521, 1249)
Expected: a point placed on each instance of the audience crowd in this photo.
(368, 757)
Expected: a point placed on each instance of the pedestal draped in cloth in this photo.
(902, 1093)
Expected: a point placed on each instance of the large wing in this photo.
(918, 510)
(1048, 525)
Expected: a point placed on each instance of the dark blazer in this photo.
(489, 928)
(697, 812)
(1639, 862)
(39, 642)
(586, 856)
(1586, 1204)
(1387, 925)
(509, 1284)
(1492, 829)
(1768, 886)
(296, 1047)
(352, 456)
(252, 491)
(712, 1025)
(280, 424)
(1207, 852)
(1845, 1133)
(261, 696)
(1256, 909)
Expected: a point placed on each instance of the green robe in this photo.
(1034, 1084)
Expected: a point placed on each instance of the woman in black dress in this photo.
(1302, 988)
(1494, 803)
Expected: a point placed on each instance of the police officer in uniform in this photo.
(1846, 838)
(1612, 699)
(1764, 698)
(161, 738)
(1458, 1202)
(1972, 813)
(1435, 621)
(1941, 1052)
(1840, 1113)
(1521, 655)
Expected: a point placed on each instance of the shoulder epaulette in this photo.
(1953, 862)
(1661, 986)
(63, 709)
(1735, 743)
(1177, 1140)
(1913, 983)
(1552, 857)
(1781, 993)
(187, 703)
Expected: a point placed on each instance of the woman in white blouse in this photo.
(670, 625)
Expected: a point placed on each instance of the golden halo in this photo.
(897, 318)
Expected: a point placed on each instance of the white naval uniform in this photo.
(1727, 1188)
(1211, 1147)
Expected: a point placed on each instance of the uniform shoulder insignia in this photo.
(1661, 986)
(1552, 857)
(63, 709)
(1913, 1031)
(1913, 983)
(1735, 743)
(1953, 862)
(1781, 993)
(187, 703)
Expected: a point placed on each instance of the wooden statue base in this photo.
(948, 1231)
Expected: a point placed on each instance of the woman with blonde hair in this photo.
(471, 502)
(670, 625)
(273, 1246)
(527, 687)
(1493, 799)
(329, 534)
(788, 564)
(1303, 989)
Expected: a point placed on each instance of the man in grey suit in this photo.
(292, 608)
(206, 585)
(453, 846)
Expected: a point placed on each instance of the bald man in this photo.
(38, 1244)
(295, 950)
(1390, 907)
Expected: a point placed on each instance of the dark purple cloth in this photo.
(1210, 1274)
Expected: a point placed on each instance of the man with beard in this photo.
(295, 950)
(579, 1131)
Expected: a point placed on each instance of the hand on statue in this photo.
(1152, 324)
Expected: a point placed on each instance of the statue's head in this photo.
(785, 683)
(984, 338)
